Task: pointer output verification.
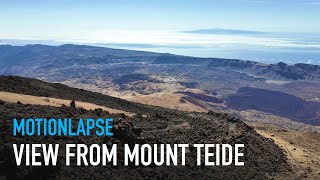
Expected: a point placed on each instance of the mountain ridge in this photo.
(132, 74)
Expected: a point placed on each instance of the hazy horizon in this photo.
(258, 30)
(258, 56)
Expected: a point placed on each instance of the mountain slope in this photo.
(263, 159)
(40, 88)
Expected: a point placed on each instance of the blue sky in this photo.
(166, 24)
(263, 15)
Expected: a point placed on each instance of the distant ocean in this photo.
(292, 51)
(263, 55)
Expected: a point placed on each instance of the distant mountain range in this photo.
(199, 83)
(39, 55)
(276, 71)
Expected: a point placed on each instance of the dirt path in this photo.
(302, 149)
(37, 100)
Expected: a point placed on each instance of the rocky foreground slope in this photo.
(263, 159)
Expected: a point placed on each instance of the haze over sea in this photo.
(260, 30)
(262, 47)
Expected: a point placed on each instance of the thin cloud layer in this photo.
(225, 31)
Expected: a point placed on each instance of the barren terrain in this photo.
(162, 126)
(280, 100)
(302, 149)
(47, 101)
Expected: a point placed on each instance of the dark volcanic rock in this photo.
(275, 102)
(262, 156)
(263, 159)
(202, 97)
